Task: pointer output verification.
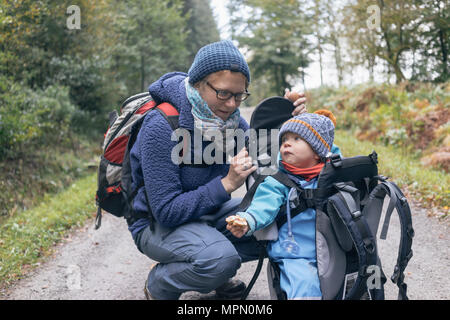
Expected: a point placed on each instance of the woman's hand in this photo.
(241, 167)
(298, 99)
(237, 225)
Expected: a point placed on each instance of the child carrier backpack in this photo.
(348, 200)
(114, 193)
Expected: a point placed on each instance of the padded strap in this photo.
(170, 113)
(245, 203)
(392, 203)
(400, 203)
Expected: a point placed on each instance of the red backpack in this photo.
(114, 192)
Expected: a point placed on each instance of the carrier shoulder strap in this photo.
(400, 203)
(245, 203)
(279, 176)
(303, 200)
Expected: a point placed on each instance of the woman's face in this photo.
(234, 82)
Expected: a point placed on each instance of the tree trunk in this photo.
(399, 77)
(142, 73)
(338, 61)
(371, 63)
(444, 55)
(320, 61)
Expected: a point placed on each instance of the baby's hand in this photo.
(237, 225)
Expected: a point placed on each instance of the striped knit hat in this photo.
(217, 56)
(317, 129)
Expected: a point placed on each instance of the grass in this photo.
(46, 170)
(429, 187)
(30, 235)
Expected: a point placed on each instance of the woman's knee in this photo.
(219, 260)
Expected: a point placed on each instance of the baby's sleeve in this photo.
(269, 197)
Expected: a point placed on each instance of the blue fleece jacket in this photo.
(177, 194)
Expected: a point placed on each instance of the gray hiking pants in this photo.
(196, 256)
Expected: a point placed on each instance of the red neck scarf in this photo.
(307, 173)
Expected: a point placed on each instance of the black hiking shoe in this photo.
(232, 289)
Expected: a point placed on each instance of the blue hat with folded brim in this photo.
(217, 56)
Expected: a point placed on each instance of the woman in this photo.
(189, 204)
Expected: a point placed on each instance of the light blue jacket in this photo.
(269, 197)
(298, 269)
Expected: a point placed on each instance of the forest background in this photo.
(64, 65)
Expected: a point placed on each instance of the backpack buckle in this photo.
(336, 160)
(381, 178)
(369, 247)
(403, 201)
(308, 196)
(345, 187)
(397, 277)
(374, 157)
(355, 215)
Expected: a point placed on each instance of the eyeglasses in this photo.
(225, 95)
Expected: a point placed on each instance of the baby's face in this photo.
(295, 151)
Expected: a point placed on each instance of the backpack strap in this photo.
(170, 113)
(345, 204)
(400, 203)
(245, 203)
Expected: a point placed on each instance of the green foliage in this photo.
(33, 33)
(151, 41)
(200, 24)
(90, 89)
(58, 85)
(120, 49)
(409, 26)
(29, 118)
(406, 116)
(275, 34)
(43, 169)
(423, 185)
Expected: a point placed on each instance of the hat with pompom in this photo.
(317, 129)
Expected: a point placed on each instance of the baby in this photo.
(305, 141)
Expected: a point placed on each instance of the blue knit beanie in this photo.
(217, 56)
(316, 129)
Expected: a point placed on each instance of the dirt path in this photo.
(105, 264)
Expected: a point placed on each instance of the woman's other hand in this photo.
(298, 99)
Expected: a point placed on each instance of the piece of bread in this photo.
(236, 221)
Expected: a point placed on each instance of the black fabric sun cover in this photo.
(271, 113)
